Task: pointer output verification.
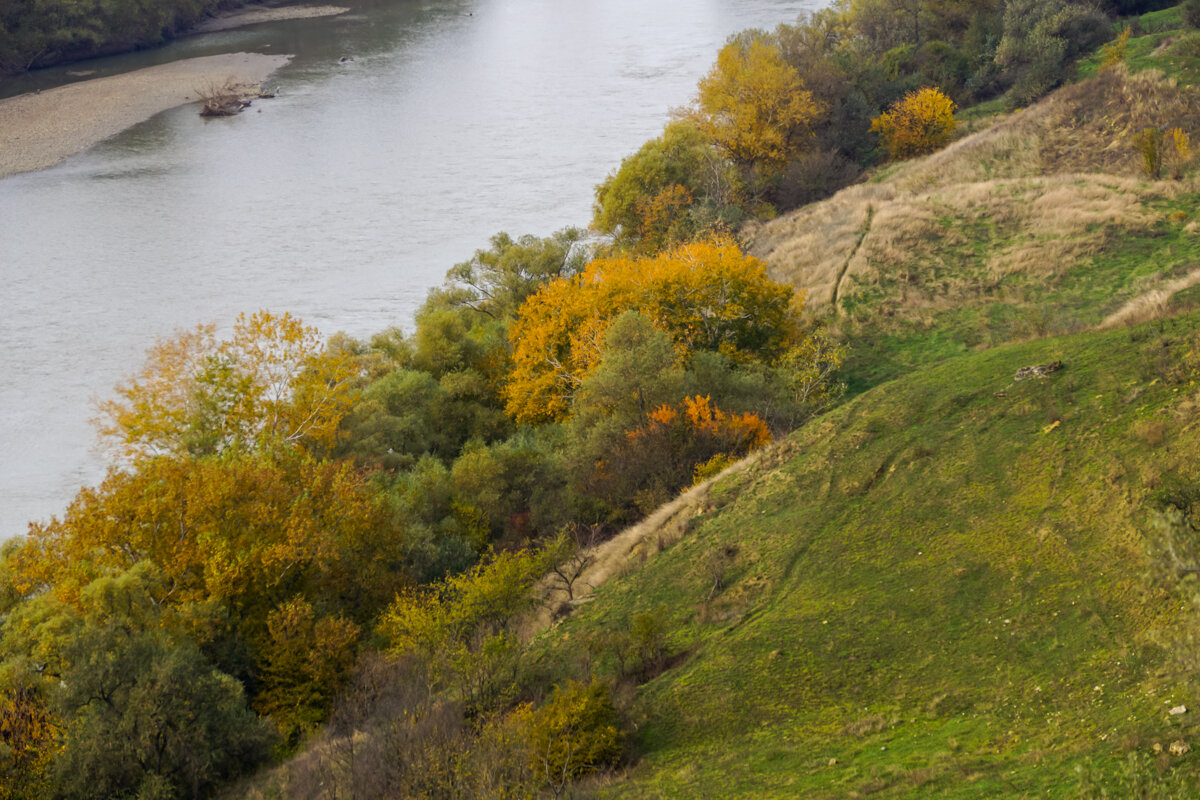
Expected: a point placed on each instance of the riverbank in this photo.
(40, 129)
(253, 15)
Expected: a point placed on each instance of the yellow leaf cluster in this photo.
(304, 662)
(1116, 51)
(574, 733)
(753, 105)
(918, 123)
(229, 529)
(273, 381)
(30, 737)
(706, 295)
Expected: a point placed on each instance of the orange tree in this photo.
(672, 446)
(918, 123)
(705, 295)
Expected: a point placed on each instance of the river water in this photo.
(342, 200)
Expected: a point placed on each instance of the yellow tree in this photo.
(918, 123)
(244, 530)
(273, 381)
(304, 662)
(753, 105)
(30, 737)
(705, 295)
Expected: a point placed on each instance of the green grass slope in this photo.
(935, 590)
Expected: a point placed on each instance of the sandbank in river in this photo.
(40, 129)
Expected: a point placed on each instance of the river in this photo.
(405, 134)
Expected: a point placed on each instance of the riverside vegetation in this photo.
(40, 34)
(397, 568)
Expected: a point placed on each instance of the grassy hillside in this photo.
(940, 589)
(1042, 223)
(935, 590)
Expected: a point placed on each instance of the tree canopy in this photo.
(272, 382)
(705, 295)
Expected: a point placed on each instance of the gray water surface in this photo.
(342, 200)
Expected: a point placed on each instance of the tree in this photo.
(244, 531)
(1040, 37)
(647, 464)
(576, 732)
(459, 627)
(495, 282)
(305, 661)
(652, 200)
(638, 371)
(753, 105)
(30, 739)
(704, 295)
(142, 711)
(918, 123)
(273, 382)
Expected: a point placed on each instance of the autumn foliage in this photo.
(916, 124)
(279, 496)
(667, 451)
(236, 530)
(273, 381)
(754, 106)
(29, 740)
(705, 295)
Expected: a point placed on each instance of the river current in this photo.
(405, 134)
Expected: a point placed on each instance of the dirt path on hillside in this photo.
(610, 559)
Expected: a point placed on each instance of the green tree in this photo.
(672, 189)
(494, 282)
(638, 371)
(144, 714)
(459, 627)
(1040, 39)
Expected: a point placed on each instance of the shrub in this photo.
(576, 732)
(918, 123)
(1115, 51)
(1181, 155)
(1191, 13)
(661, 456)
(1041, 37)
(1159, 148)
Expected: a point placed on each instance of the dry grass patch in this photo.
(1085, 127)
(1154, 303)
(1032, 175)
(811, 247)
(923, 244)
(919, 249)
